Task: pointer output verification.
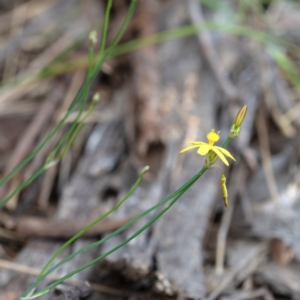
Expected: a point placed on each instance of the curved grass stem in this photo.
(85, 229)
(104, 28)
(176, 195)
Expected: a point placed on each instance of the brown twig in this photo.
(41, 227)
(264, 144)
(210, 53)
(4, 264)
(46, 188)
(274, 87)
(40, 158)
(27, 140)
(231, 275)
(42, 117)
(11, 235)
(262, 292)
(34, 8)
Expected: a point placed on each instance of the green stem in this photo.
(225, 144)
(73, 126)
(23, 185)
(76, 132)
(81, 94)
(40, 146)
(181, 190)
(117, 38)
(104, 29)
(43, 169)
(100, 61)
(176, 194)
(85, 229)
(91, 59)
(77, 98)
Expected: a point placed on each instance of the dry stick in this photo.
(236, 182)
(11, 60)
(49, 177)
(24, 146)
(46, 188)
(14, 183)
(40, 158)
(25, 109)
(76, 83)
(43, 116)
(262, 292)
(264, 144)
(41, 227)
(210, 53)
(51, 18)
(227, 280)
(66, 163)
(293, 112)
(34, 8)
(28, 77)
(146, 110)
(64, 172)
(11, 235)
(269, 79)
(7, 221)
(18, 91)
(35, 272)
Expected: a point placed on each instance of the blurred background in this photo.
(157, 94)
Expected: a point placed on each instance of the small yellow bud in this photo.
(240, 116)
(236, 126)
(93, 38)
(224, 190)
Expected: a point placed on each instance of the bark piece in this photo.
(281, 252)
(146, 110)
(174, 242)
(283, 280)
(245, 258)
(210, 53)
(277, 220)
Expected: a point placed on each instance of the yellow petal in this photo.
(203, 150)
(226, 152)
(219, 153)
(197, 143)
(188, 148)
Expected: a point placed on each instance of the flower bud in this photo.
(96, 97)
(240, 116)
(224, 190)
(236, 126)
(93, 38)
(144, 170)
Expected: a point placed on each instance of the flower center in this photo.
(213, 137)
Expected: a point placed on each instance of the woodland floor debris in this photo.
(153, 102)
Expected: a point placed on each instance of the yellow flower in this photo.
(204, 148)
